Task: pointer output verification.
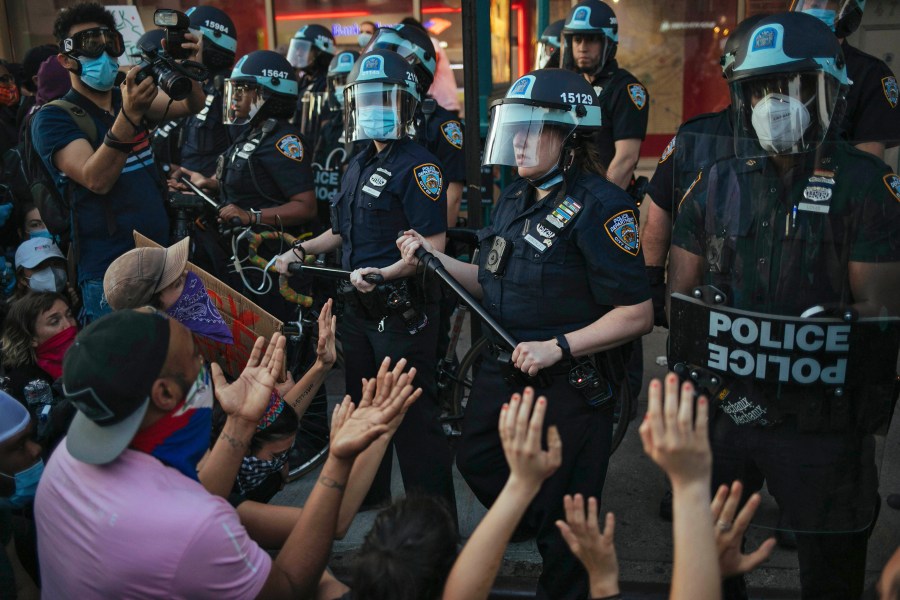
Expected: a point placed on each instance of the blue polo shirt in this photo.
(104, 222)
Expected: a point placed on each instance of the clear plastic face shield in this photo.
(378, 111)
(336, 84)
(300, 53)
(241, 102)
(547, 55)
(827, 11)
(312, 105)
(527, 137)
(782, 113)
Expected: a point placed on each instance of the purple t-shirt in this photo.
(137, 529)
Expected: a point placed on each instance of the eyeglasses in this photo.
(93, 42)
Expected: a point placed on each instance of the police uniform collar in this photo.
(609, 69)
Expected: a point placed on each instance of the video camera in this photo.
(175, 79)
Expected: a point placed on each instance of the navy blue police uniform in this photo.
(205, 136)
(381, 194)
(698, 144)
(625, 104)
(575, 256)
(444, 139)
(313, 85)
(872, 114)
(780, 244)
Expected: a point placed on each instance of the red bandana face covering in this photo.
(9, 95)
(50, 353)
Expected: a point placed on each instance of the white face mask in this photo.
(49, 279)
(779, 122)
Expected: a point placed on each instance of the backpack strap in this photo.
(79, 115)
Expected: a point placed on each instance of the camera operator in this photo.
(112, 185)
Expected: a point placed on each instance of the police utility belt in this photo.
(404, 299)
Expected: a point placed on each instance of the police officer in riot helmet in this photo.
(331, 129)
(590, 39)
(872, 120)
(204, 136)
(310, 53)
(394, 184)
(700, 141)
(562, 232)
(264, 177)
(788, 255)
(547, 53)
(439, 130)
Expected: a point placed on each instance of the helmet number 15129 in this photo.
(576, 98)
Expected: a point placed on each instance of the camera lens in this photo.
(176, 85)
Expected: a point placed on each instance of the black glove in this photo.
(657, 279)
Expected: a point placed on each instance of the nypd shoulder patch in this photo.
(893, 185)
(891, 90)
(291, 146)
(430, 180)
(452, 131)
(638, 95)
(668, 151)
(622, 229)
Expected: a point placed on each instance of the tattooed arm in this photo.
(302, 393)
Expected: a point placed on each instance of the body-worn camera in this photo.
(398, 299)
(175, 79)
(586, 378)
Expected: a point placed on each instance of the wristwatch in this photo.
(255, 216)
(564, 346)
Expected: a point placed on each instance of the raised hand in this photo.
(377, 391)
(521, 440)
(730, 531)
(247, 397)
(326, 350)
(672, 437)
(595, 549)
(353, 429)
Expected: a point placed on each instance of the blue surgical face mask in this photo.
(26, 485)
(823, 14)
(41, 233)
(99, 73)
(363, 39)
(377, 122)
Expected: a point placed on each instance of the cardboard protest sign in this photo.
(128, 23)
(244, 318)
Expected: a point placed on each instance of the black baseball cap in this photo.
(108, 374)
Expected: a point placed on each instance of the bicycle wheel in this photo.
(462, 387)
(312, 443)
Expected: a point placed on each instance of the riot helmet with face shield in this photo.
(336, 78)
(590, 37)
(787, 85)
(547, 53)
(841, 16)
(413, 44)
(217, 34)
(381, 97)
(534, 124)
(311, 49)
(262, 85)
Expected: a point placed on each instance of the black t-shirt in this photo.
(872, 114)
(624, 108)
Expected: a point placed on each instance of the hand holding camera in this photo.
(175, 78)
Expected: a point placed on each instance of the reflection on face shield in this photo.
(526, 142)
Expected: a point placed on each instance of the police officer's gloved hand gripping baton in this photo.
(297, 267)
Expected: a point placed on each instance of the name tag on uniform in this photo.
(377, 182)
(818, 192)
(201, 116)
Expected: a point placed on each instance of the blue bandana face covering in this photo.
(99, 73)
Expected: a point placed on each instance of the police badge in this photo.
(430, 180)
(452, 131)
(891, 91)
(623, 231)
(291, 146)
(766, 38)
(638, 95)
(668, 151)
(893, 185)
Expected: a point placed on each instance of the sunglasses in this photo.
(93, 42)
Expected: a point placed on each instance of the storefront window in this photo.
(342, 17)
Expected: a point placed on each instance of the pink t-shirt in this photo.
(137, 529)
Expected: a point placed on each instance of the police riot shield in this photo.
(781, 311)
